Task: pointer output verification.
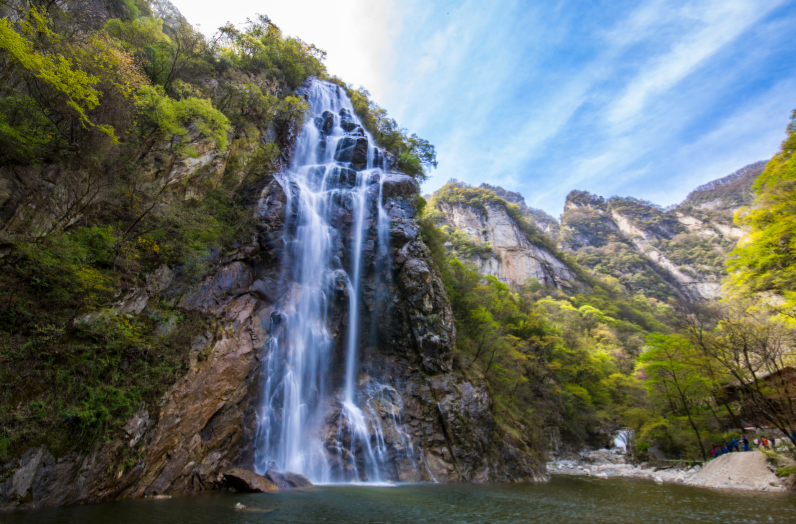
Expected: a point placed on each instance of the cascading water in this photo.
(334, 191)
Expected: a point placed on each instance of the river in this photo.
(564, 500)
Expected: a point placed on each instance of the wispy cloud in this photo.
(703, 30)
(571, 98)
(647, 98)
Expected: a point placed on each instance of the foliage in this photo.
(764, 260)
(65, 94)
(619, 262)
(262, 47)
(64, 384)
(753, 349)
(672, 371)
(164, 118)
(75, 84)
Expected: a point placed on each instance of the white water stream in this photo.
(335, 176)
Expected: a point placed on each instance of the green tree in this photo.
(670, 371)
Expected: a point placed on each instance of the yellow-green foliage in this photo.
(166, 117)
(72, 87)
(261, 46)
(55, 70)
(765, 260)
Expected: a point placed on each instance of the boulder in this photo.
(359, 160)
(296, 480)
(354, 150)
(396, 185)
(249, 481)
(342, 177)
(327, 123)
(347, 125)
(287, 479)
(268, 287)
(229, 281)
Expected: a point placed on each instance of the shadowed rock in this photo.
(249, 481)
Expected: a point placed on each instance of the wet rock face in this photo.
(354, 150)
(439, 428)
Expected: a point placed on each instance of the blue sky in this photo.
(646, 98)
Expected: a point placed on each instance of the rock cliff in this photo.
(515, 258)
(434, 424)
(678, 251)
(664, 252)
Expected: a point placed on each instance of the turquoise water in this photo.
(564, 500)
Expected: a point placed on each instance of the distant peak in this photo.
(713, 184)
(505, 194)
(577, 198)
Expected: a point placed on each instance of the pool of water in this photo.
(563, 500)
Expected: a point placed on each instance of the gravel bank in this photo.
(746, 471)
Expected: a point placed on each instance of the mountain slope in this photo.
(497, 237)
(663, 253)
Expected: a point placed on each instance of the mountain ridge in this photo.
(664, 252)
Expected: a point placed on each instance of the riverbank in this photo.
(749, 471)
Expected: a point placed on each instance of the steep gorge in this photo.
(260, 286)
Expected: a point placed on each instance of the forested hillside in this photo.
(662, 349)
(660, 252)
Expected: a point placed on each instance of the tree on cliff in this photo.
(765, 260)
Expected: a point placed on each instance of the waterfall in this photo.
(334, 193)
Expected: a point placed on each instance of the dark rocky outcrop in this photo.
(205, 424)
(353, 150)
(248, 481)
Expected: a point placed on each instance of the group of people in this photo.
(743, 445)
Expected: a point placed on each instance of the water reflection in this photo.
(564, 500)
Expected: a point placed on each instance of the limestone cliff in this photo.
(515, 258)
(514, 248)
(664, 252)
